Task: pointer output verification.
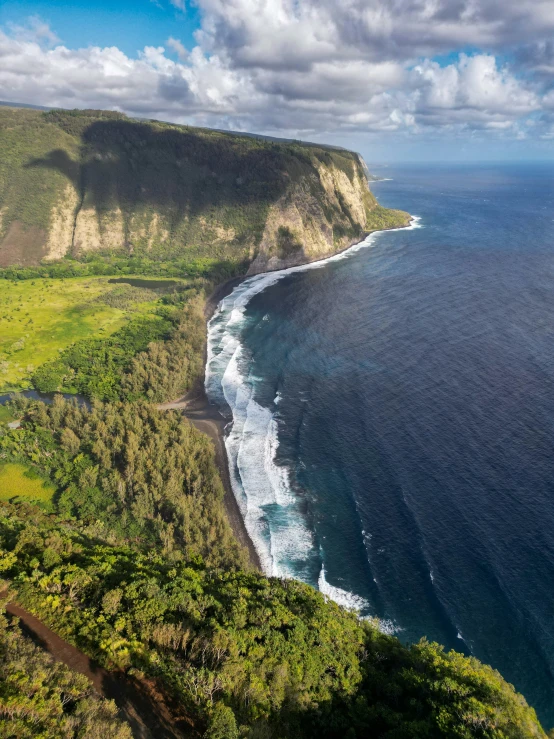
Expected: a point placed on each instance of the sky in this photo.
(397, 80)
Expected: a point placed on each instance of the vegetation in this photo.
(18, 481)
(43, 698)
(112, 526)
(89, 194)
(5, 415)
(156, 357)
(40, 318)
(287, 244)
(116, 265)
(104, 184)
(382, 218)
(28, 195)
(130, 473)
(247, 655)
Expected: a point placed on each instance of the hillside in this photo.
(239, 654)
(75, 182)
(113, 525)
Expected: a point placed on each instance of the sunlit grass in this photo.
(38, 318)
(16, 480)
(5, 415)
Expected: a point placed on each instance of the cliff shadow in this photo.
(179, 174)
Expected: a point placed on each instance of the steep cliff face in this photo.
(73, 182)
(326, 212)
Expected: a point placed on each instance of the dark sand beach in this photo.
(206, 418)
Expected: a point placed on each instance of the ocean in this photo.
(391, 417)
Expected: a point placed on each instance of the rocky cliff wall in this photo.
(74, 182)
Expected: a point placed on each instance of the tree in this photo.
(70, 441)
(222, 723)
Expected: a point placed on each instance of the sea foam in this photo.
(262, 487)
(340, 596)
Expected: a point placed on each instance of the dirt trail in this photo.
(139, 703)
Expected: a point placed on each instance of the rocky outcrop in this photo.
(304, 227)
(62, 223)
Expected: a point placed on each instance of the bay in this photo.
(392, 417)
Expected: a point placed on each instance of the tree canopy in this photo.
(134, 563)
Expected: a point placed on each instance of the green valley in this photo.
(116, 530)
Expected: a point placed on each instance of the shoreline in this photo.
(196, 407)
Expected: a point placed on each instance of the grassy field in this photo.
(18, 480)
(5, 415)
(38, 318)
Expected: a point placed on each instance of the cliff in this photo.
(76, 181)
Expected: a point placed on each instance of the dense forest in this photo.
(128, 472)
(133, 562)
(264, 657)
(41, 697)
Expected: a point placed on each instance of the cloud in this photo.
(177, 47)
(293, 34)
(474, 90)
(538, 58)
(34, 30)
(307, 67)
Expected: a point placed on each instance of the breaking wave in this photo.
(262, 486)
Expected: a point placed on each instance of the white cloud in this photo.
(302, 67)
(473, 89)
(34, 30)
(177, 47)
(294, 34)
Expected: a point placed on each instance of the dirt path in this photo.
(139, 703)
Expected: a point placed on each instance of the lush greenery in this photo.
(5, 415)
(244, 653)
(112, 525)
(115, 265)
(19, 481)
(384, 218)
(94, 367)
(102, 340)
(130, 473)
(43, 698)
(155, 357)
(120, 197)
(41, 317)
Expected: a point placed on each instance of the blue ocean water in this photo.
(391, 414)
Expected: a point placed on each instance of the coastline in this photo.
(205, 416)
(196, 407)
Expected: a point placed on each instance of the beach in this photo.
(205, 416)
(196, 407)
